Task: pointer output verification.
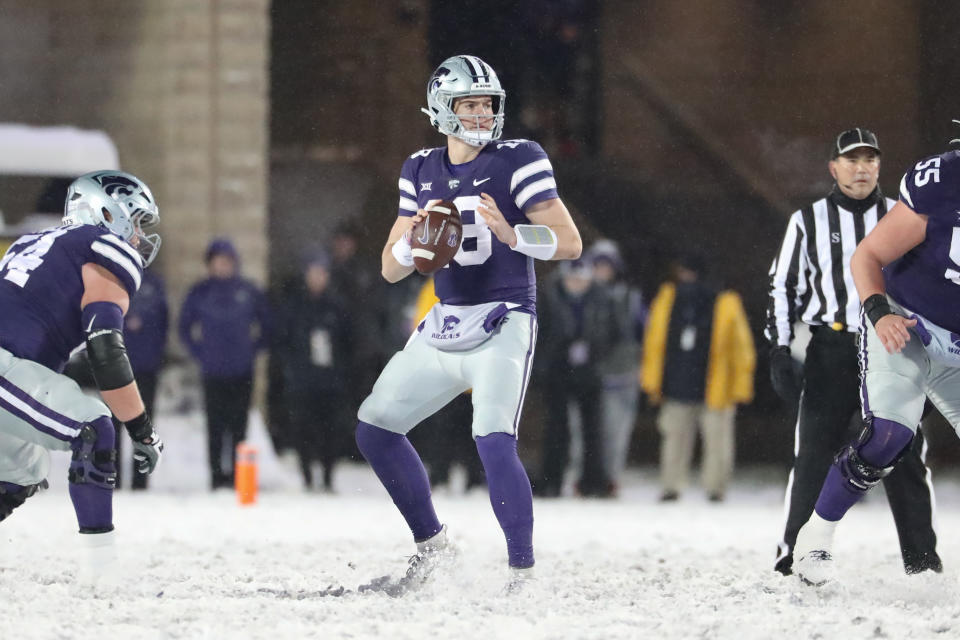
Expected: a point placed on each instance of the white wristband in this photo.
(402, 252)
(536, 240)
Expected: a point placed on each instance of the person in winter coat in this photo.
(619, 370)
(578, 331)
(145, 330)
(224, 322)
(698, 364)
(314, 346)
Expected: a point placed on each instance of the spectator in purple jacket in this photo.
(145, 332)
(224, 323)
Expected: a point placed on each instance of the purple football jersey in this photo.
(517, 174)
(41, 288)
(927, 279)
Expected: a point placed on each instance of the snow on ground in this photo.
(198, 565)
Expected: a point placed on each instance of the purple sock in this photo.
(886, 440)
(401, 472)
(836, 496)
(93, 502)
(510, 495)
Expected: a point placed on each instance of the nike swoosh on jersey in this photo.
(477, 183)
(90, 326)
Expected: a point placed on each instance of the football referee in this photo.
(810, 281)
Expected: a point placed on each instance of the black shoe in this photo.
(784, 565)
(669, 496)
(715, 497)
(914, 563)
(546, 491)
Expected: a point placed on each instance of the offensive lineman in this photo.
(907, 273)
(511, 214)
(59, 289)
(811, 281)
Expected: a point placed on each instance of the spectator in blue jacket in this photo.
(145, 332)
(224, 323)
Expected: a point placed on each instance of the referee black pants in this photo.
(830, 399)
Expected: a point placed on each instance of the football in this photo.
(436, 238)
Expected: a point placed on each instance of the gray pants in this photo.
(677, 423)
(619, 398)
(421, 379)
(40, 410)
(895, 385)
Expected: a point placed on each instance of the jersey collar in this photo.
(858, 207)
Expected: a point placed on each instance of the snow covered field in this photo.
(203, 567)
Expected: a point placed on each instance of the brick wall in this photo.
(180, 85)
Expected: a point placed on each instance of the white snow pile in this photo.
(198, 565)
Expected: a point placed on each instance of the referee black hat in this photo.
(854, 138)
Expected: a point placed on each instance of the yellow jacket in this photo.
(732, 358)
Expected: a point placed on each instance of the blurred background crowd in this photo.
(683, 134)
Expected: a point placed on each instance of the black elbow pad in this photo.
(108, 359)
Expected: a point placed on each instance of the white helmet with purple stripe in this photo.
(119, 202)
(460, 77)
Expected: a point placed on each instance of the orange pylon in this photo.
(245, 473)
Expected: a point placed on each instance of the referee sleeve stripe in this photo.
(784, 276)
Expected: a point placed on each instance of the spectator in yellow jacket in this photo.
(698, 364)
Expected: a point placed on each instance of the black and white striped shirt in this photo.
(810, 277)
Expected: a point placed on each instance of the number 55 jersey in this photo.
(926, 279)
(41, 288)
(517, 174)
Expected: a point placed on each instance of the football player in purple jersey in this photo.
(907, 273)
(481, 334)
(60, 289)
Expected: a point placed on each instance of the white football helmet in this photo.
(119, 202)
(458, 77)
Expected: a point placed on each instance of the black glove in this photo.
(147, 446)
(784, 375)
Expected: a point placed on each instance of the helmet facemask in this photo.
(462, 77)
(146, 244)
(118, 202)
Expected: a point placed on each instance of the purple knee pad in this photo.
(861, 465)
(93, 476)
